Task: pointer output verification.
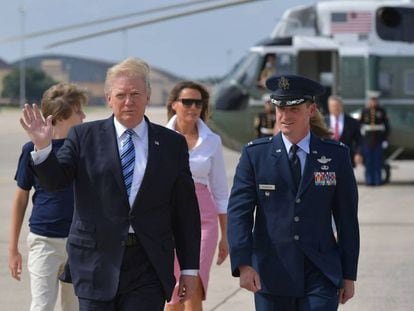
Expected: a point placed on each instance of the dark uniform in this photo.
(285, 231)
(374, 130)
(264, 124)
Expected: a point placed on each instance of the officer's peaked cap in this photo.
(290, 90)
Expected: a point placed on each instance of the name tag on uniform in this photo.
(325, 178)
(267, 187)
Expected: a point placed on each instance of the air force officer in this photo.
(286, 190)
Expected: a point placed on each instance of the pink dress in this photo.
(207, 168)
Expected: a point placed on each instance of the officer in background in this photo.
(374, 130)
(285, 191)
(264, 122)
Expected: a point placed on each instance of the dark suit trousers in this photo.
(139, 286)
(320, 295)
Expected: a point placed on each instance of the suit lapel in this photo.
(346, 132)
(109, 147)
(282, 165)
(154, 158)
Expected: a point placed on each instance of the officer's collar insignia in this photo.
(314, 152)
(278, 150)
(324, 160)
(284, 83)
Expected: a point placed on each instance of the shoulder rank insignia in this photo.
(324, 160)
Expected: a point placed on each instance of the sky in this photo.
(198, 46)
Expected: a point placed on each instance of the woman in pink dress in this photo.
(187, 113)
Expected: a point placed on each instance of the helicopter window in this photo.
(248, 71)
(298, 21)
(384, 81)
(268, 69)
(284, 64)
(352, 77)
(236, 68)
(409, 82)
(395, 23)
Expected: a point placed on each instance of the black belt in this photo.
(132, 240)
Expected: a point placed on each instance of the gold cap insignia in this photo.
(284, 83)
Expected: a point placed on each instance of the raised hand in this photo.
(40, 131)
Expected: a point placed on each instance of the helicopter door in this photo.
(322, 66)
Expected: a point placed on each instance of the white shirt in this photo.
(207, 163)
(340, 123)
(303, 149)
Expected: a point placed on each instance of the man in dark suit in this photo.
(134, 199)
(344, 128)
(285, 191)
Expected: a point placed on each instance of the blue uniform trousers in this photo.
(373, 160)
(320, 295)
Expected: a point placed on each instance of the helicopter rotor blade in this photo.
(148, 22)
(99, 21)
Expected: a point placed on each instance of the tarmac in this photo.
(386, 214)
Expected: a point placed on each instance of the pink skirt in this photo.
(209, 239)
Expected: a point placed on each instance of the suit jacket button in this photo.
(298, 200)
(296, 218)
(296, 237)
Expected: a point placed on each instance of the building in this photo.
(90, 74)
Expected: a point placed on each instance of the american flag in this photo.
(351, 22)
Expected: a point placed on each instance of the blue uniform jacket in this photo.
(272, 228)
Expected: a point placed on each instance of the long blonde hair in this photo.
(318, 125)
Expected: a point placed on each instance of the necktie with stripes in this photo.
(128, 160)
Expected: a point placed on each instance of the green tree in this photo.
(36, 83)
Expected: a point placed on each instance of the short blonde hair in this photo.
(130, 67)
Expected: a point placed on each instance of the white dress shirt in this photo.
(207, 163)
(340, 123)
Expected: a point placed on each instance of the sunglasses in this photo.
(188, 102)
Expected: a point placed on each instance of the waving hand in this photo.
(39, 130)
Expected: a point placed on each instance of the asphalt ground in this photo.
(386, 214)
